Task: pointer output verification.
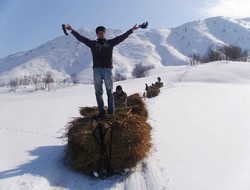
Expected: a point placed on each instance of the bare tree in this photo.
(74, 78)
(244, 56)
(13, 83)
(231, 53)
(234, 53)
(212, 54)
(25, 80)
(195, 59)
(2, 83)
(35, 81)
(47, 80)
(141, 71)
(119, 77)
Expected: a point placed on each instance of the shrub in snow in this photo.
(141, 71)
(13, 83)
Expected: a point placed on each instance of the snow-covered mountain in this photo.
(65, 56)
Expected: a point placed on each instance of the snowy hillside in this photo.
(200, 122)
(65, 56)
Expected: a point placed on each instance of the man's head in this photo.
(119, 89)
(100, 31)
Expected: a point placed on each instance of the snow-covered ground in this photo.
(201, 129)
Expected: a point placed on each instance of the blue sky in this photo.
(26, 24)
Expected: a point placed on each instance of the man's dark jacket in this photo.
(102, 49)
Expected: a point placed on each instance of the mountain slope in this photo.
(65, 56)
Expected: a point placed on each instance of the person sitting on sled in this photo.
(120, 97)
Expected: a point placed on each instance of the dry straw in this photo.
(127, 139)
(153, 92)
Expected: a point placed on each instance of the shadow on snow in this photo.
(49, 163)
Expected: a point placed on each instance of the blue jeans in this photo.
(100, 75)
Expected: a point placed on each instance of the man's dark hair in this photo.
(100, 29)
(119, 87)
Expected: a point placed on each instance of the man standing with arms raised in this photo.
(102, 50)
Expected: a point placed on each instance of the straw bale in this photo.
(128, 135)
(152, 92)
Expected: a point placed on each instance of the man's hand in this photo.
(142, 26)
(135, 27)
(68, 27)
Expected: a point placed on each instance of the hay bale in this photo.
(137, 106)
(152, 92)
(127, 137)
(88, 111)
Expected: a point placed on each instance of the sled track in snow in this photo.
(147, 175)
(176, 78)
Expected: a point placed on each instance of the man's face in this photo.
(101, 34)
(119, 91)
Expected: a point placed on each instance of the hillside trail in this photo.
(177, 76)
(150, 175)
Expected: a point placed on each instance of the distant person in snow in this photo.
(102, 50)
(159, 84)
(148, 90)
(120, 97)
